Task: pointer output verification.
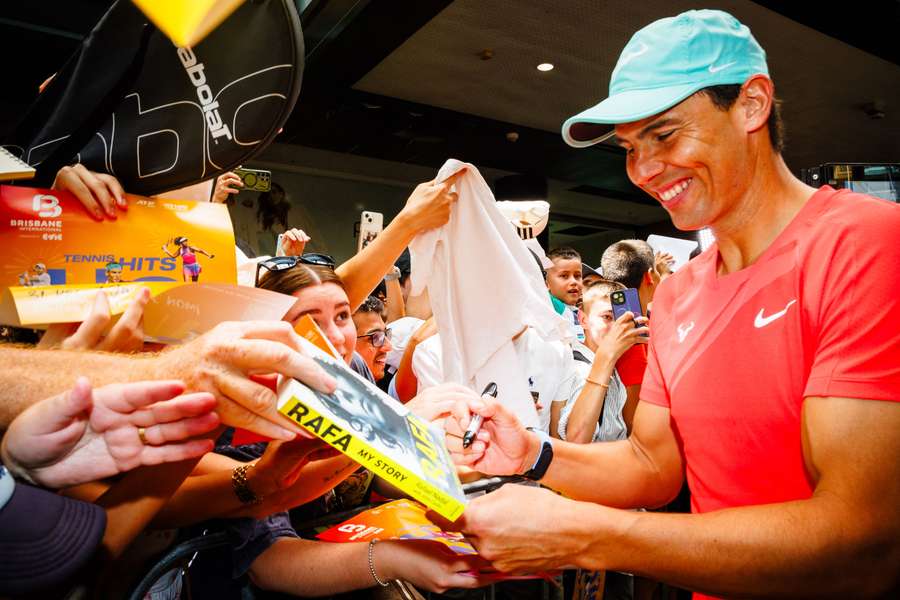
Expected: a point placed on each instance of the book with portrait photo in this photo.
(376, 431)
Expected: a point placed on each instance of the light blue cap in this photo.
(664, 63)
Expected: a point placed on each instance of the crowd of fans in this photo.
(113, 453)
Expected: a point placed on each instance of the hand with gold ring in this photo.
(87, 434)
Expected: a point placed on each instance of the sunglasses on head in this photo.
(377, 338)
(283, 263)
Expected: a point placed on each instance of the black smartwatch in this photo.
(545, 457)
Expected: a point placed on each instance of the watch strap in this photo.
(544, 458)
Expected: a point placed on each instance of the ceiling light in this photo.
(545, 67)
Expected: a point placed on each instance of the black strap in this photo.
(580, 357)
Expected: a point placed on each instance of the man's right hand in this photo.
(503, 446)
(222, 360)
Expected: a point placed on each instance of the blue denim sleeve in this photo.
(254, 536)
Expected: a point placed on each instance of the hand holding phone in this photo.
(624, 301)
(255, 180)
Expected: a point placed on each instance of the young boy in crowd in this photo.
(632, 263)
(564, 283)
(594, 411)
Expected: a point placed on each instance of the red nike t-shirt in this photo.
(733, 357)
(632, 364)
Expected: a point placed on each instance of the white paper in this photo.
(678, 248)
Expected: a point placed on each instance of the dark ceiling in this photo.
(348, 39)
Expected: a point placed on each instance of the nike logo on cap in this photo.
(715, 69)
(761, 321)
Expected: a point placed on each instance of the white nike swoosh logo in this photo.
(761, 321)
(715, 69)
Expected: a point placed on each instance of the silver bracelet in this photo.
(372, 565)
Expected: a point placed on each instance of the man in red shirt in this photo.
(774, 368)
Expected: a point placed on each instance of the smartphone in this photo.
(624, 301)
(255, 180)
(370, 225)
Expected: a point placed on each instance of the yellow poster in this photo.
(50, 239)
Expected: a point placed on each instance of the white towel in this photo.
(485, 288)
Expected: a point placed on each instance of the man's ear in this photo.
(756, 100)
(651, 278)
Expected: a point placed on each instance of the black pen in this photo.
(475, 423)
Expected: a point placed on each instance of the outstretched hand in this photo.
(280, 466)
(430, 204)
(293, 242)
(428, 565)
(127, 335)
(663, 261)
(436, 403)
(223, 362)
(87, 434)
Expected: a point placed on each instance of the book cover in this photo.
(397, 520)
(407, 520)
(307, 329)
(376, 431)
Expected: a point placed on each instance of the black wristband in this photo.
(545, 457)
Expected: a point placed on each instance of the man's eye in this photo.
(664, 136)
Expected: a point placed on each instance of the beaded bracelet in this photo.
(241, 487)
(372, 565)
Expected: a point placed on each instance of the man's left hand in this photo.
(517, 528)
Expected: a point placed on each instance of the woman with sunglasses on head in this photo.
(272, 479)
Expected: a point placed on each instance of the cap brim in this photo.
(587, 270)
(47, 539)
(593, 125)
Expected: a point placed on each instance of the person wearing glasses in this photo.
(266, 547)
(373, 339)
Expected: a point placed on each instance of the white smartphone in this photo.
(370, 225)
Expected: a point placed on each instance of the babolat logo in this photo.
(210, 106)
